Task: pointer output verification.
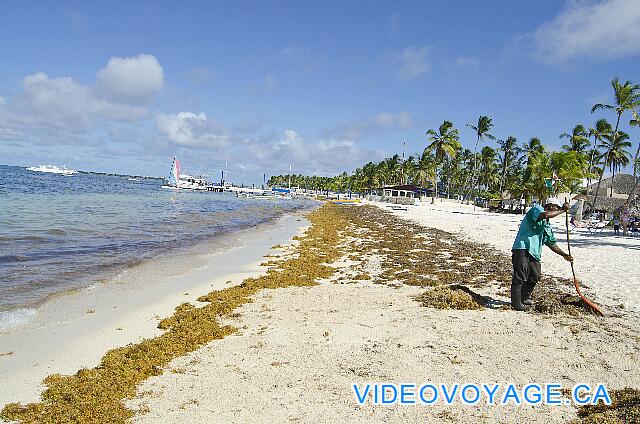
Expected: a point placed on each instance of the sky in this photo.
(324, 87)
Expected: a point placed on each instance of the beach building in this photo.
(405, 194)
(613, 193)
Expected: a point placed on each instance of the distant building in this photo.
(614, 192)
(402, 194)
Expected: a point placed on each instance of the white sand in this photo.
(608, 265)
(300, 349)
(63, 337)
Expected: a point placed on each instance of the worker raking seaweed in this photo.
(535, 232)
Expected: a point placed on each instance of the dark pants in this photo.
(526, 272)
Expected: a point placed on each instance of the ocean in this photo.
(60, 233)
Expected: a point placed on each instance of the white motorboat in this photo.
(52, 169)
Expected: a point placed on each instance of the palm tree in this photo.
(393, 169)
(482, 129)
(578, 139)
(531, 149)
(487, 176)
(617, 156)
(627, 97)
(508, 149)
(601, 129)
(369, 179)
(538, 166)
(425, 169)
(444, 143)
(570, 168)
(408, 169)
(466, 162)
(452, 168)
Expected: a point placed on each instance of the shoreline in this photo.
(14, 315)
(73, 330)
(299, 350)
(351, 302)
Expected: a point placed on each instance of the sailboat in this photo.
(180, 181)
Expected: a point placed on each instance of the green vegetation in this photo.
(504, 168)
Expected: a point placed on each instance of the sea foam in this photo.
(11, 319)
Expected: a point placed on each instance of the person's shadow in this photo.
(486, 301)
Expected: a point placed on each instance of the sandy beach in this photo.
(606, 264)
(352, 302)
(75, 330)
(299, 350)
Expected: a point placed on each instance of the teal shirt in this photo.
(533, 234)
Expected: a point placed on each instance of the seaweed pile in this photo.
(419, 256)
(444, 297)
(407, 252)
(96, 395)
(624, 408)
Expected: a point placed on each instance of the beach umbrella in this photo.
(581, 196)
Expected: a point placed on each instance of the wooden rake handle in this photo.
(576, 283)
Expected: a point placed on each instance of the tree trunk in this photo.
(473, 174)
(632, 193)
(593, 152)
(504, 172)
(606, 159)
(464, 188)
(435, 187)
(613, 178)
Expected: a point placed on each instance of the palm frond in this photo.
(599, 106)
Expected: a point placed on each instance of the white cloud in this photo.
(587, 29)
(9, 134)
(357, 129)
(191, 130)
(131, 78)
(411, 61)
(61, 103)
(50, 110)
(319, 157)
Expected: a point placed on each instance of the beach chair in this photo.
(577, 224)
(597, 227)
(398, 207)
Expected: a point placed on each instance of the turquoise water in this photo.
(59, 233)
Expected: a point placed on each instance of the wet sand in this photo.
(300, 349)
(75, 330)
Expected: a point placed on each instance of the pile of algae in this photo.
(445, 297)
(95, 395)
(415, 255)
(624, 408)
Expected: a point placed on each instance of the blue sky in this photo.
(324, 86)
